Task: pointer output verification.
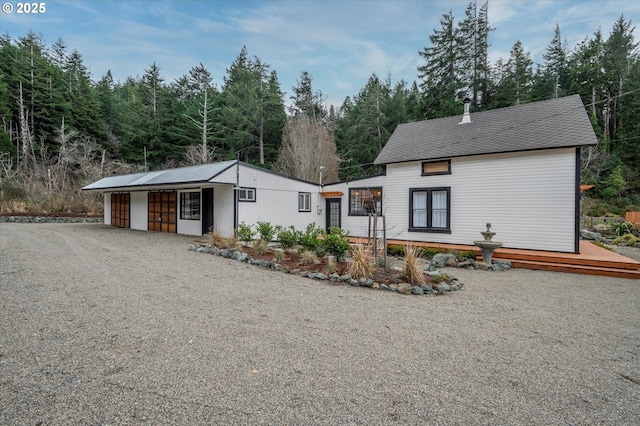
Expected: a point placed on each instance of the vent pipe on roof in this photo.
(466, 117)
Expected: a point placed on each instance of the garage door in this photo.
(162, 211)
(120, 208)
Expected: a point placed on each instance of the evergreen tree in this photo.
(552, 79)
(253, 110)
(306, 100)
(516, 78)
(586, 75)
(84, 109)
(441, 77)
(366, 124)
(472, 42)
(620, 51)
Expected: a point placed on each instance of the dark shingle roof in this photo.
(556, 123)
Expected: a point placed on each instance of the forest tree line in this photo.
(61, 129)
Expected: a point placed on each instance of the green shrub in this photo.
(395, 250)
(622, 228)
(12, 191)
(467, 254)
(626, 240)
(266, 230)
(336, 242)
(244, 232)
(437, 278)
(288, 237)
(430, 251)
(309, 238)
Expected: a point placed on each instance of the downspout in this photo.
(236, 196)
(576, 231)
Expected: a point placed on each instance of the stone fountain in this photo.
(487, 246)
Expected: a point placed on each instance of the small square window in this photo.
(304, 201)
(247, 194)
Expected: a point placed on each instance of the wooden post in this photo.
(375, 236)
(384, 240)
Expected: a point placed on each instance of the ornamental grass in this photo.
(411, 266)
(360, 265)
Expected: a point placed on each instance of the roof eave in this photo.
(482, 154)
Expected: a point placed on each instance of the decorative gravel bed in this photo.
(439, 282)
(109, 326)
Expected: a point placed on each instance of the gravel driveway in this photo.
(100, 325)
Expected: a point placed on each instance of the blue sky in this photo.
(340, 43)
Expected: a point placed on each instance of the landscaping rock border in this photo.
(51, 219)
(441, 287)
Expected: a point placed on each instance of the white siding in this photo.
(139, 210)
(529, 198)
(188, 226)
(107, 208)
(358, 225)
(277, 200)
(223, 209)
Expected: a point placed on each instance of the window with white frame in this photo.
(304, 201)
(365, 201)
(429, 209)
(247, 194)
(190, 205)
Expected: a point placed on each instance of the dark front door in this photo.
(207, 210)
(333, 212)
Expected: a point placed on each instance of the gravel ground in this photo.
(100, 325)
(630, 252)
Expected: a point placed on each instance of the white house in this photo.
(517, 168)
(193, 200)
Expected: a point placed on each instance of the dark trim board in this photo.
(576, 230)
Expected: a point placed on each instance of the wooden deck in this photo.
(592, 260)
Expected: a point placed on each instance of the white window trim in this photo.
(304, 201)
(247, 195)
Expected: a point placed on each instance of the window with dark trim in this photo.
(365, 201)
(430, 168)
(430, 209)
(247, 194)
(304, 201)
(190, 205)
